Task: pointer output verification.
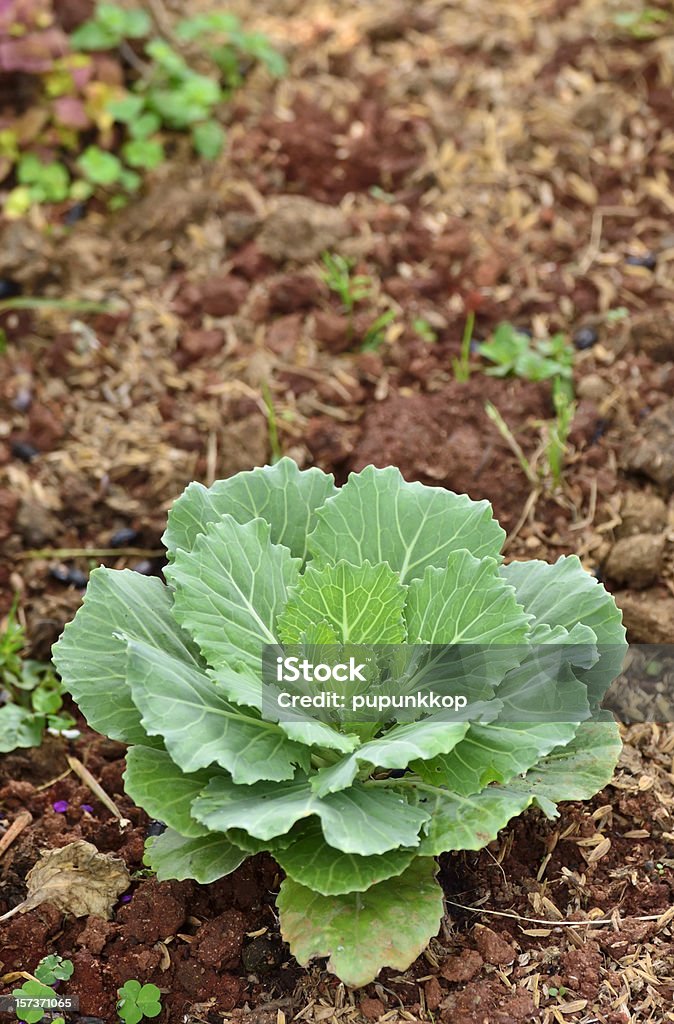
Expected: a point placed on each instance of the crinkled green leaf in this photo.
(205, 858)
(395, 749)
(576, 771)
(230, 588)
(163, 790)
(363, 604)
(243, 688)
(358, 820)
(564, 594)
(466, 822)
(200, 726)
(283, 495)
(19, 728)
(493, 753)
(389, 925)
(465, 602)
(379, 517)
(91, 654)
(308, 859)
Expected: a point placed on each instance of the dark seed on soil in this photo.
(154, 828)
(9, 289)
(75, 214)
(60, 573)
(585, 337)
(24, 450)
(599, 431)
(648, 261)
(78, 578)
(127, 535)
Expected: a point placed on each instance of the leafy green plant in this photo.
(30, 694)
(514, 352)
(137, 1001)
(168, 88)
(170, 92)
(110, 26)
(424, 330)
(50, 969)
(462, 364)
(54, 968)
(351, 288)
(354, 811)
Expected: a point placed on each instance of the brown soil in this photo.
(496, 157)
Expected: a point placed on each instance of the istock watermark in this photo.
(292, 669)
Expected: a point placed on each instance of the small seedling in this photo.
(514, 352)
(337, 275)
(512, 442)
(462, 364)
(54, 968)
(351, 288)
(642, 24)
(375, 335)
(272, 424)
(137, 1001)
(49, 970)
(424, 330)
(557, 431)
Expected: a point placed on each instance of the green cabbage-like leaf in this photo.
(405, 585)
(91, 653)
(379, 517)
(282, 495)
(205, 859)
(389, 925)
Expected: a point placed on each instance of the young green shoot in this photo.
(462, 364)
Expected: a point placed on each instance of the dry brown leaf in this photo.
(77, 879)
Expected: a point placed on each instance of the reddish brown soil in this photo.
(504, 158)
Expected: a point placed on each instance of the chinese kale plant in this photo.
(356, 813)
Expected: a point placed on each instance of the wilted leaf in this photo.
(77, 879)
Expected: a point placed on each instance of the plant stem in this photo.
(508, 436)
(462, 364)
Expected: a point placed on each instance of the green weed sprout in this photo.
(462, 364)
(137, 1001)
(31, 692)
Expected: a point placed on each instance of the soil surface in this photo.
(506, 157)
